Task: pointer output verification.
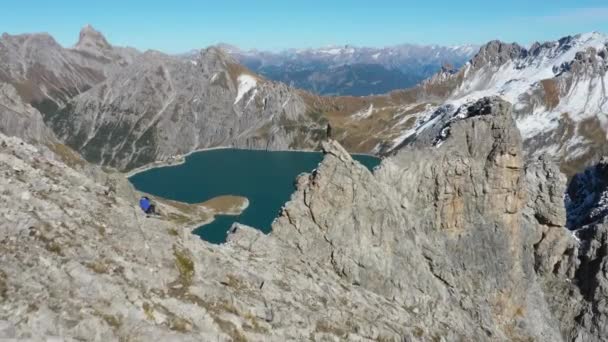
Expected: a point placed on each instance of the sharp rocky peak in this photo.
(91, 39)
(217, 53)
(497, 53)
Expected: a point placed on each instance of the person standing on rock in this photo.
(328, 131)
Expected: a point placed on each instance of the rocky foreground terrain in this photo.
(455, 237)
(465, 232)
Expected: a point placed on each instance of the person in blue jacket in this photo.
(146, 205)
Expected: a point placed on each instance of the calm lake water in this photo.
(266, 178)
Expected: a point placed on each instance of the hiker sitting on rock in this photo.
(146, 205)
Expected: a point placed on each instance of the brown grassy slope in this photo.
(363, 134)
(356, 135)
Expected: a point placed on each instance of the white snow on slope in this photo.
(255, 91)
(246, 83)
(515, 78)
(536, 123)
(424, 120)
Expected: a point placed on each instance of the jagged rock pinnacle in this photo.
(91, 39)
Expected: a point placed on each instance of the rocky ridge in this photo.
(47, 75)
(125, 114)
(460, 241)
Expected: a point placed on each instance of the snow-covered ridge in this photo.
(558, 91)
(518, 78)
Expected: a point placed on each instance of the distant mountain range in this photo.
(125, 108)
(348, 70)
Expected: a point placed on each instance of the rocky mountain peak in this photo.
(497, 53)
(228, 48)
(216, 53)
(92, 40)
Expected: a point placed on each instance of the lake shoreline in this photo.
(262, 178)
(200, 225)
(181, 158)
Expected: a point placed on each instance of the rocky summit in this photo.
(462, 240)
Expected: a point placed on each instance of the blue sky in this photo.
(181, 25)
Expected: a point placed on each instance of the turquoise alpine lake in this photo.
(265, 178)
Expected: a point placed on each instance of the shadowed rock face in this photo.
(586, 199)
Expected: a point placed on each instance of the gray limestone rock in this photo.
(546, 190)
(20, 119)
(161, 106)
(453, 241)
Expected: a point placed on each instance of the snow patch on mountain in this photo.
(424, 120)
(517, 79)
(245, 84)
(536, 123)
